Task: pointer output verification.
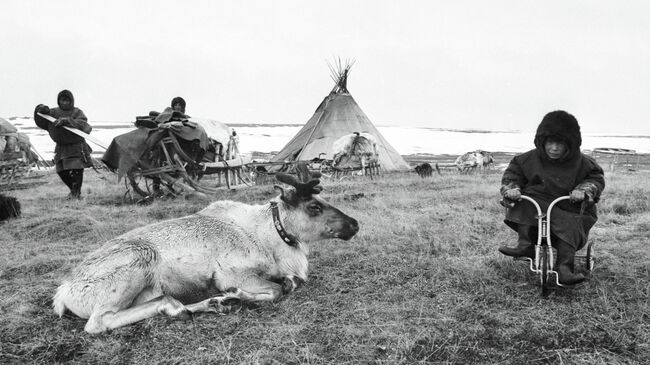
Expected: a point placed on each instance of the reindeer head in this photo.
(309, 217)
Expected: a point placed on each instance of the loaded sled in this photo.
(158, 159)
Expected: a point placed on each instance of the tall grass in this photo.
(422, 282)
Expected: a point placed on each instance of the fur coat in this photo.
(71, 151)
(545, 179)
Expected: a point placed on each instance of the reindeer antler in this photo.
(306, 184)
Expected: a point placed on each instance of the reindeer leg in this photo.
(253, 289)
(102, 320)
(217, 304)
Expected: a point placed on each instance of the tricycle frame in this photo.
(544, 263)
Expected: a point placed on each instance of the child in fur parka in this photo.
(555, 168)
(72, 153)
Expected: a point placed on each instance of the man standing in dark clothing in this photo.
(72, 153)
(555, 168)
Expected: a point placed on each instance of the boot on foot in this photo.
(524, 249)
(564, 265)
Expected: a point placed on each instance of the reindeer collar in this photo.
(286, 237)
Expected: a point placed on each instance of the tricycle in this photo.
(543, 264)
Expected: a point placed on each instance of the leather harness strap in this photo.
(286, 237)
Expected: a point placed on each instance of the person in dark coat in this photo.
(178, 104)
(555, 168)
(72, 153)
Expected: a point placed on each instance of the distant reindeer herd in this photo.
(469, 162)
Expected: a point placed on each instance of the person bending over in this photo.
(555, 168)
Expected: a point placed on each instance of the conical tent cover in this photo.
(338, 115)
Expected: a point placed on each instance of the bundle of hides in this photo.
(156, 119)
(9, 207)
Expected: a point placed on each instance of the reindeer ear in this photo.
(288, 197)
(278, 187)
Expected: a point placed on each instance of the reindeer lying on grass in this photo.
(228, 251)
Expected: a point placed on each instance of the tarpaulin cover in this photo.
(126, 149)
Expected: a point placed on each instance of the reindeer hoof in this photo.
(186, 315)
(290, 283)
(287, 286)
(225, 305)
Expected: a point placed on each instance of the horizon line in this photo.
(115, 125)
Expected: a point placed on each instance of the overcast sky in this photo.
(498, 65)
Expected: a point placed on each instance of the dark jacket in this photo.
(71, 151)
(545, 179)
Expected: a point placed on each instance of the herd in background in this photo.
(466, 163)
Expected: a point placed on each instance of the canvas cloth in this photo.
(126, 149)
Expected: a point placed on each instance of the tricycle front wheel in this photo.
(543, 276)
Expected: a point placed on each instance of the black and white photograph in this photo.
(341, 182)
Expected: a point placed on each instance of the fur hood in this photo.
(178, 99)
(563, 126)
(68, 94)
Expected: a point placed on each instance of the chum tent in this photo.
(338, 115)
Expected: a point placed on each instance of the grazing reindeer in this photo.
(424, 170)
(227, 251)
(471, 161)
(9, 207)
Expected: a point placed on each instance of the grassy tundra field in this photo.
(422, 282)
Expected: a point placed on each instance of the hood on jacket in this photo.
(562, 126)
(180, 100)
(68, 94)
